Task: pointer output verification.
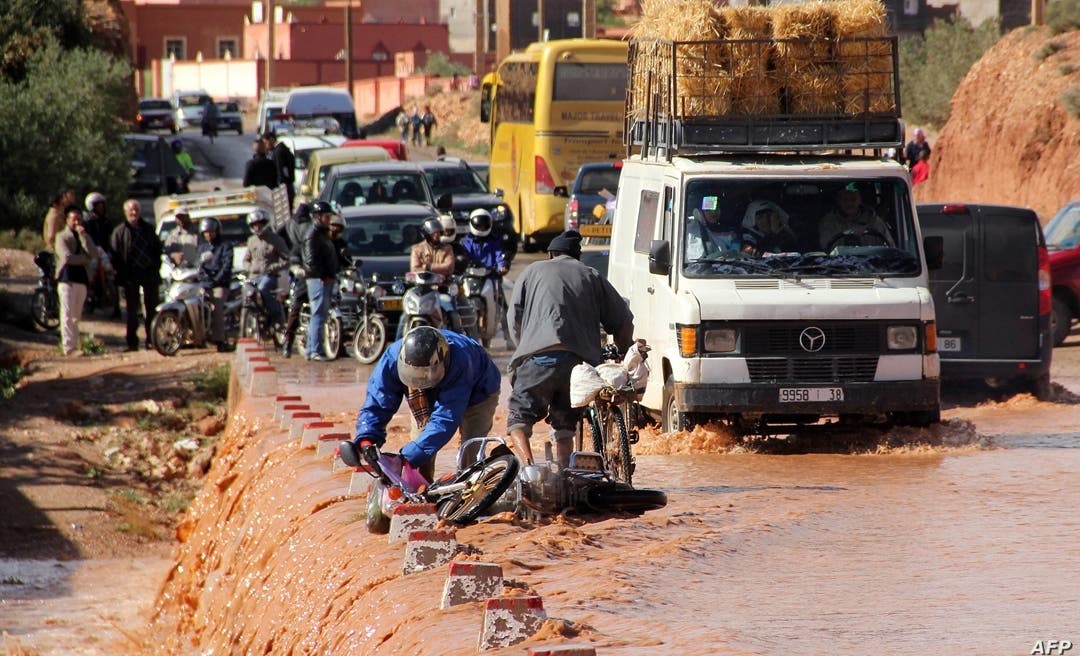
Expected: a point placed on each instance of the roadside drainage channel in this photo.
(507, 620)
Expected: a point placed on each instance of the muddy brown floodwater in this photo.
(960, 537)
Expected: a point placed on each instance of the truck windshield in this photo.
(780, 228)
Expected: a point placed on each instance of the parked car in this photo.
(321, 161)
(992, 294)
(383, 235)
(1063, 244)
(188, 107)
(468, 192)
(596, 183)
(396, 149)
(230, 117)
(154, 168)
(302, 146)
(155, 114)
(374, 183)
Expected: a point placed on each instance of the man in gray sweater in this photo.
(556, 312)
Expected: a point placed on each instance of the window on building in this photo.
(228, 47)
(175, 46)
(380, 52)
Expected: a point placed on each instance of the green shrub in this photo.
(214, 383)
(9, 378)
(439, 63)
(1066, 69)
(1071, 99)
(933, 65)
(91, 345)
(1063, 15)
(23, 239)
(1047, 49)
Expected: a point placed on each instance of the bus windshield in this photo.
(778, 228)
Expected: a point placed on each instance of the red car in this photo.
(1063, 242)
(396, 149)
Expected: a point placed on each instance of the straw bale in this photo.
(748, 22)
(867, 89)
(815, 90)
(859, 18)
(679, 20)
(867, 66)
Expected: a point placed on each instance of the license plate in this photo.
(389, 303)
(948, 344)
(810, 394)
(595, 230)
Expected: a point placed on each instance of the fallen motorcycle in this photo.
(459, 497)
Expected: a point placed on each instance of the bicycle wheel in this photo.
(487, 480)
(620, 461)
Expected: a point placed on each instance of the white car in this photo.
(188, 106)
(302, 145)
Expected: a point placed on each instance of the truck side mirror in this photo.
(934, 247)
(660, 257)
(305, 190)
(560, 192)
(499, 192)
(485, 103)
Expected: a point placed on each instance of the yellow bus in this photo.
(552, 107)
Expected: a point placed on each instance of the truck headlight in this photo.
(901, 338)
(721, 340)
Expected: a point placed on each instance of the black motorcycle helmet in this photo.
(321, 207)
(422, 360)
(210, 224)
(432, 229)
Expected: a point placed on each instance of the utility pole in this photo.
(1038, 12)
(540, 19)
(479, 57)
(348, 48)
(588, 19)
(270, 44)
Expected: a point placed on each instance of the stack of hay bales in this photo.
(792, 59)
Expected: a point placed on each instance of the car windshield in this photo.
(778, 228)
(374, 188)
(382, 236)
(1063, 231)
(154, 104)
(593, 181)
(454, 181)
(192, 100)
(228, 106)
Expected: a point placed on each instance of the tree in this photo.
(438, 63)
(26, 25)
(61, 128)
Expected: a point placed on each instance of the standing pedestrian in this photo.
(402, 122)
(557, 309)
(260, 170)
(215, 263)
(54, 217)
(414, 122)
(921, 170)
(99, 228)
(320, 270)
(136, 253)
(75, 251)
(427, 122)
(285, 162)
(911, 150)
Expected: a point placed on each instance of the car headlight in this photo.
(721, 340)
(901, 338)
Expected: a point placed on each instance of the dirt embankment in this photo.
(1010, 138)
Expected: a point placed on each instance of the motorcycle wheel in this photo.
(369, 340)
(618, 498)
(617, 455)
(376, 521)
(42, 311)
(166, 333)
(481, 322)
(488, 479)
(249, 325)
(332, 337)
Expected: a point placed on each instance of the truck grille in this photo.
(848, 369)
(840, 338)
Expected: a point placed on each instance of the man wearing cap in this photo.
(556, 311)
(850, 223)
(285, 162)
(450, 383)
(182, 242)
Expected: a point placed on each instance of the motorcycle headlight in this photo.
(399, 287)
(452, 289)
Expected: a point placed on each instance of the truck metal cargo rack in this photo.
(763, 95)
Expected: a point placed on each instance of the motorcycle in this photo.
(255, 319)
(332, 333)
(430, 302)
(483, 289)
(102, 292)
(459, 497)
(183, 319)
(45, 303)
(370, 326)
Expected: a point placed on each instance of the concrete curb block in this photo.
(297, 421)
(283, 408)
(359, 482)
(263, 381)
(309, 436)
(253, 361)
(469, 581)
(245, 350)
(563, 650)
(327, 445)
(409, 517)
(509, 620)
(427, 549)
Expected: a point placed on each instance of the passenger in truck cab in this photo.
(766, 229)
(851, 223)
(709, 231)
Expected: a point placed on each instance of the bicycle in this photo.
(613, 415)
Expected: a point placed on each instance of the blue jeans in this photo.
(319, 301)
(267, 288)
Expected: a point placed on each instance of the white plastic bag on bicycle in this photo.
(637, 368)
(585, 383)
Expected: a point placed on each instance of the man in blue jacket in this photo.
(215, 263)
(450, 384)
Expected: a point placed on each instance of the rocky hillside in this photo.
(1012, 137)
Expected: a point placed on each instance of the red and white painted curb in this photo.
(409, 517)
(298, 419)
(563, 650)
(468, 581)
(510, 620)
(309, 435)
(428, 549)
(264, 381)
(328, 443)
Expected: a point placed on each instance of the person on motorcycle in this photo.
(210, 118)
(341, 247)
(215, 263)
(266, 256)
(482, 248)
(320, 264)
(451, 385)
(103, 278)
(184, 158)
(182, 242)
(556, 310)
(432, 254)
(293, 233)
(449, 237)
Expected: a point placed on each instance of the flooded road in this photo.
(960, 537)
